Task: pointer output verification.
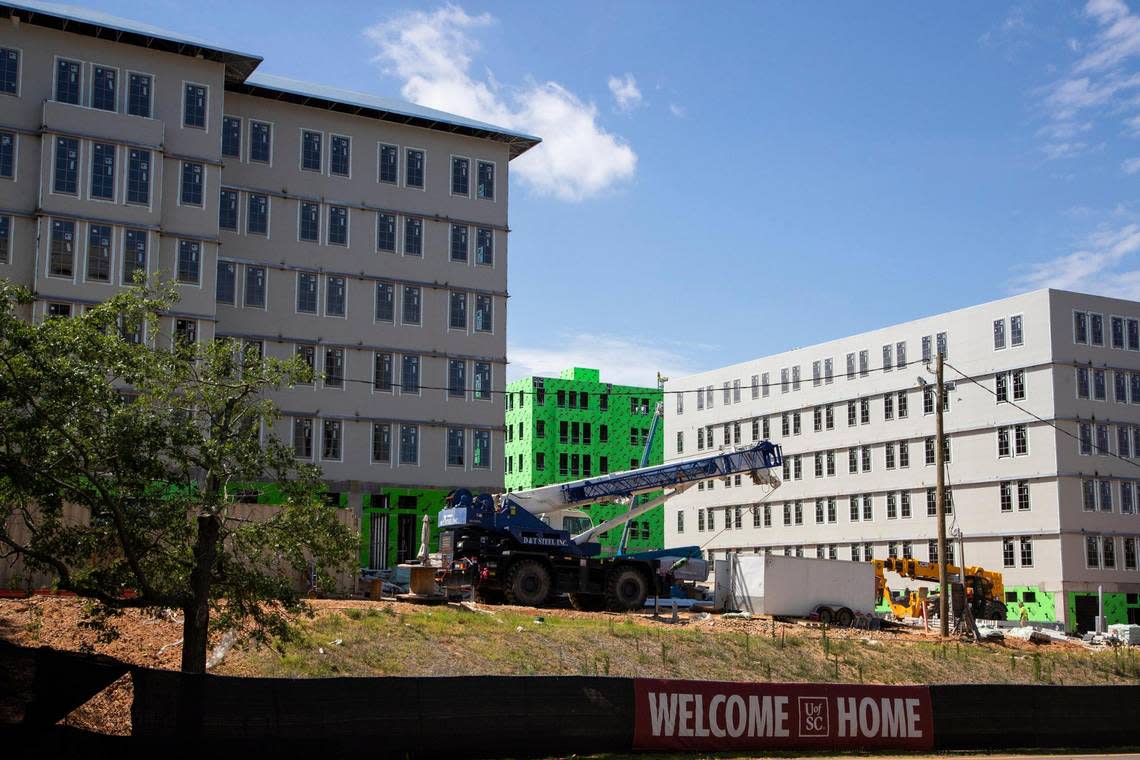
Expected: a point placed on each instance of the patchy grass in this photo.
(387, 639)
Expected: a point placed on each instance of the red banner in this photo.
(718, 715)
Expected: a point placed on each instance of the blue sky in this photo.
(722, 181)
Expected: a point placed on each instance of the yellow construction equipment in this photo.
(984, 590)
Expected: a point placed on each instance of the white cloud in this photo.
(678, 111)
(1131, 165)
(432, 53)
(625, 92)
(1107, 264)
(622, 360)
(1101, 83)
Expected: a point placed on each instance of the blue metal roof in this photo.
(389, 109)
(72, 18)
(241, 78)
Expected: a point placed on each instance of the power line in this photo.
(1040, 419)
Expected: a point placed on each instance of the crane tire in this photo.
(588, 602)
(528, 583)
(825, 615)
(626, 589)
(844, 617)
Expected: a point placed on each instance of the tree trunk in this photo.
(196, 623)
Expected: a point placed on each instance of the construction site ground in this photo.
(380, 638)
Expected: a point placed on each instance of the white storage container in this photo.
(792, 586)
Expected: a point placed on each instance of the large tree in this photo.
(120, 460)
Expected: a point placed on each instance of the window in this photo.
(888, 407)
(138, 95)
(303, 437)
(260, 142)
(225, 289)
(98, 252)
(455, 447)
(889, 451)
(796, 378)
(61, 311)
(904, 454)
(785, 428)
(231, 136)
(1104, 495)
(784, 382)
(1007, 554)
(1100, 389)
(1017, 378)
(816, 378)
(864, 363)
(1120, 387)
(482, 384)
(457, 378)
(138, 176)
(5, 239)
(1116, 330)
(1016, 337)
(311, 150)
(103, 172)
(457, 311)
(888, 362)
(255, 287)
(795, 423)
(904, 504)
(334, 367)
(999, 334)
(67, 81)
(1096, 329)
(902, 404)
(459, 234)
(335, 296)
(1129, 553)
(385, 302)
(310, 222)
(1092, 552)
(460, 179)
(1127, 498)
(339, 155)
(900, 354)
(1082, 382)
(853, 508)
(389, 163)
(9, 71)
(864, 411)
(481, 451)
(338, 225)
(192, 183)
(928, 399)
(1006, 496)
(257, 214)
(194, 113)
(865, 458)
(330, 440)
(386, 233)
(1002, 442)
(1020, 440)
(381, 443)
(485, 246)
(61, 261)
(850, 366)
(1133, 335)
(1108, 552)
(942, 345)
(411, 305)
(382, 372)
(228, 210)
(817, 419)
(851, 414)
(486, 186)
(483, 315)
(1102, 440)
(413, 236)
(66, 166)
(410, 374)
(189, 261)
(7, 154)
(414, 168)
(892, 506)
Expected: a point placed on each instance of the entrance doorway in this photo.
(406, 536)
(1086, 608)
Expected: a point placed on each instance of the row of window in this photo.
(1123, 332)
(578, 465)
(464, 447)
(894, 357)
(104, 173)
(336, 220)
(565, 399)
(1092, 383)
(104, 88)
(1016, 332)
(578, 433)
(1100, 552)
(96, 250)
(1099, 495)
(254, 295)
(338, 161)
(1096, 438)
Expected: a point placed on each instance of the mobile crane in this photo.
(505, 550)
(984, 589)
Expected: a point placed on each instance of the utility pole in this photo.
(940, 498)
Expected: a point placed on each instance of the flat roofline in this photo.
(77, 20)
(375, 107)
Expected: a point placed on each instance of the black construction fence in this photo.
(176, 715)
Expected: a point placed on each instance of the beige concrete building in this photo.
(1043, 435)
(368, 235)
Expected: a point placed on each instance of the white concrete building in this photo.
(1043, 435)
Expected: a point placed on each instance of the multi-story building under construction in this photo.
(366, 235)
(574, 426)
(1042, 428)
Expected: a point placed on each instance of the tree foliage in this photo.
(119, 463)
